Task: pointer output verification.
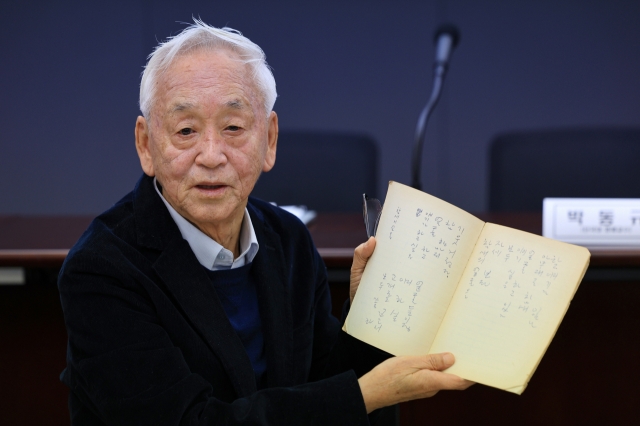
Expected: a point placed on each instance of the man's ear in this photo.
(272, 142)
(143, 141)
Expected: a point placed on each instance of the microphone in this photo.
(446, 39)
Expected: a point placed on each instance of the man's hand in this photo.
(360, 258)
(406, 378)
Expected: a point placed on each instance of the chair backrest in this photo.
(526, 167)
(324, 171)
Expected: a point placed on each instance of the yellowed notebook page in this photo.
(508, 306)
(422, 247)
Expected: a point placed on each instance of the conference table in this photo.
(43, 241)
(586, 377)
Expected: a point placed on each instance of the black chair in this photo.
(526, 167)
(325, 171)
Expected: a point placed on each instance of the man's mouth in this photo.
(209, 186)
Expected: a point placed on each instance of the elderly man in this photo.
(189, 302)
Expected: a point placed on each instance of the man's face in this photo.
(207, 138)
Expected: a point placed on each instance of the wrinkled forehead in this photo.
(205, 74)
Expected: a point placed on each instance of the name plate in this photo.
(592, 221)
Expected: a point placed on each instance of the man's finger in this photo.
(439, 362)
(360, 258)
(362, 253)
(445, 381)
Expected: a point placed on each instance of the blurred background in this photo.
(70, 74)
(69, 80)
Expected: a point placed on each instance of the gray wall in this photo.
(70, 70)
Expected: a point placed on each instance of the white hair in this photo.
(202, 36)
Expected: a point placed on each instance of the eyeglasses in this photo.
(371, 210)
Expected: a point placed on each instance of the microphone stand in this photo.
(439, 71)
(421, 129)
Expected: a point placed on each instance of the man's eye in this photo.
(233, 128)
(186, 131)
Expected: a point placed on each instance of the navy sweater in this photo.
(237, 292)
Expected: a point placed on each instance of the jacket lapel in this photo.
(269, 271)
(187, 281)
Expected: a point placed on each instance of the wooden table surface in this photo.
(44, 241)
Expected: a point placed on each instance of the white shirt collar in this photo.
(209, 253)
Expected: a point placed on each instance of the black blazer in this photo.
(149, 342)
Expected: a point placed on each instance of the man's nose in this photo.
(212, 150)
